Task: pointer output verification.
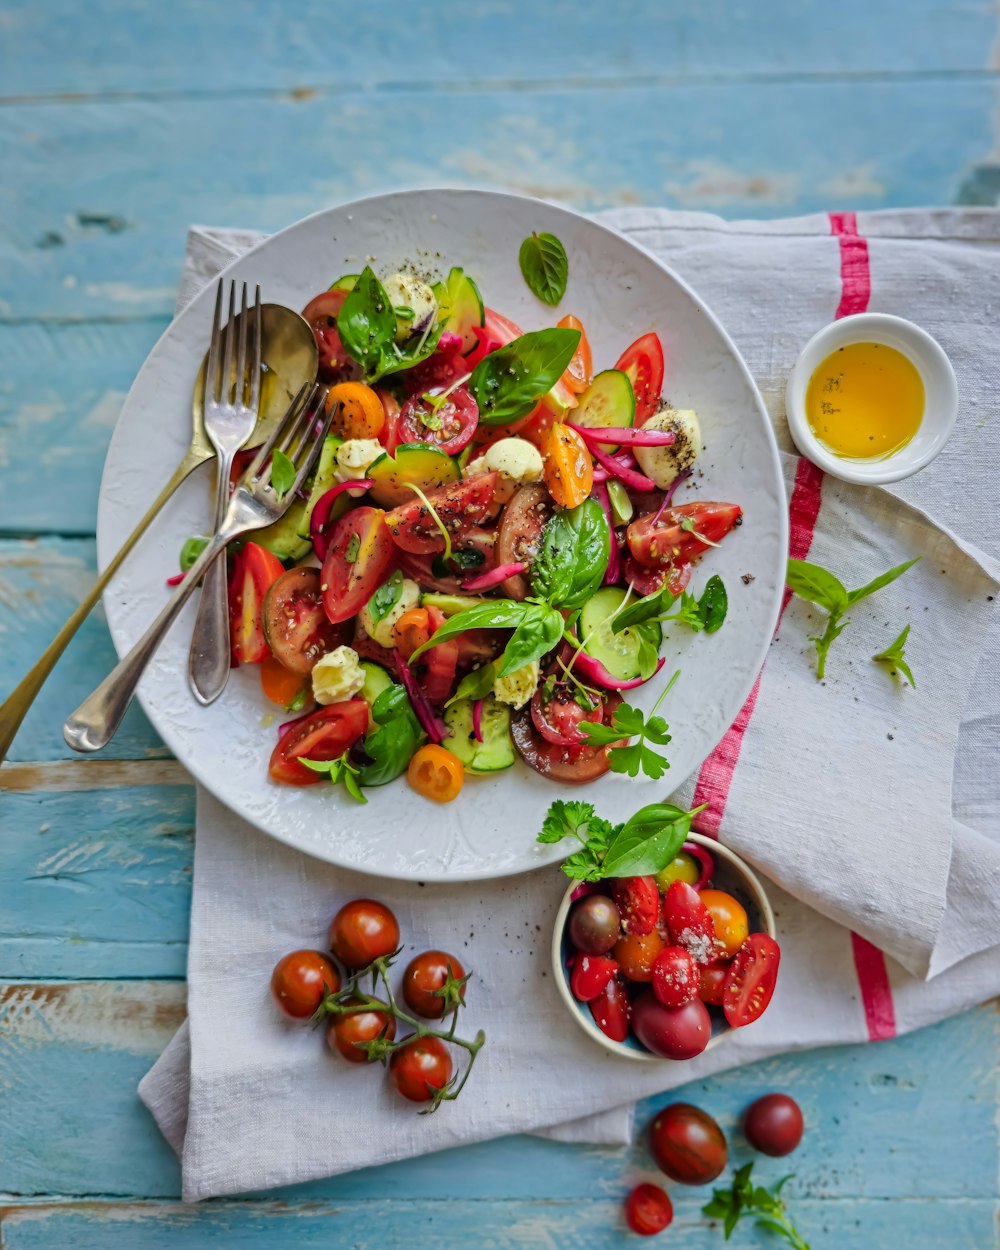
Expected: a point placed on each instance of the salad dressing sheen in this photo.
(865, 401)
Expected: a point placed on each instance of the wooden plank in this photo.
(71, 1056)
(759, 149)
(187, 46)
(41, 582)
(96, 883)
(578, 1223)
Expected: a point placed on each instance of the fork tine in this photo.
(255, 354)
(227, 354)
(314, 447)
(291, 417)
(241, 350)
(211, 387)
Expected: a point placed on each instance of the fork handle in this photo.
(93, 724)
(208, 659)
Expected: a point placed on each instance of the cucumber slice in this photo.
(495, 752)
(608, 401)
(288, 538)
(346, 283)
(376, 680)
(450, 605)
(421, 464)
(621, 654)
(461, 307)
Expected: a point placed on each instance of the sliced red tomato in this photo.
(751, 979)
(645, 581)
(681, 534)
(643, 362)
(449, 423)
(439, 664)
(254, 573)
(520, 535)
(322, 313)
(322, 735)
(390, 406)
(458, 507)
(358, 558)
(295, 624)
(496, 331)
(575, 765)
(439, 370)
(557, 717)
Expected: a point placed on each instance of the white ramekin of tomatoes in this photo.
(667, 966)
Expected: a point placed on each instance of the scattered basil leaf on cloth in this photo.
(818, 585)
(895, 654)
(545, 267)
(508, 382)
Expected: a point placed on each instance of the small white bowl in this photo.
(732, 875)
(940, 396)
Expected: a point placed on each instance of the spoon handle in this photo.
(208, 659)
(15, 707)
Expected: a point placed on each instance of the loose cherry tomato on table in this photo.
(687, 1144)
(690, 923)
(712, 983)
(444, 420)
(359, 555)
(436, 773)
(459, 506)
(594, 924)
(751, 979)
(611, 1010)
(322, 735)
(348, 1034)
(301, 980)
(295, 623)
(578, 371)
(254, 572)
(590, 976)
(681, 534)
(359, 410)
(675, 977)
(425, 976)
(773, 1125)
(420, 1068)
(637, 952)
(648, 1210)
(362, 931)
(671, 1032)
(569, 469)
(280, 684)
(638, 902)
(729, 917)
(643, 362)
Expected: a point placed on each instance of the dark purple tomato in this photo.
(687, 1144)
(773, 1125)
(672, 1032)
(594, 924)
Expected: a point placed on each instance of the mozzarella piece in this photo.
(516, 461)
(406, 291)
(663, 464)
(354, 457)
(409, 597)
(517, 687)
(337, 676)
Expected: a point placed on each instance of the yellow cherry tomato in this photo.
(569, 469)
(360, 414)
(729, 917)
(683, 867)
(436, 774)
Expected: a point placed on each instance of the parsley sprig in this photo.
(649, 732)
(705, 613)
(340, 771)
(765, 1205)
(895, 654)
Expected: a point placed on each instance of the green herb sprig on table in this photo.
(743, 1198)
(895, 654)
(818, 585)
(544, 267)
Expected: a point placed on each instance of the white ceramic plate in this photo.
(619, 291)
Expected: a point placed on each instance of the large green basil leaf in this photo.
(573, 557)
(539, 631)
(508, 383)
(390, 745)
(647, 842)
(495, 614)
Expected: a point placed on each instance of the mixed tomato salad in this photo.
(482, 563)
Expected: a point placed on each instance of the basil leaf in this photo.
(573, 557)
(496, 614)
(190, 552)
(390, 745)
(645, 609)
(539, 631)
(648, 841)
(649, 636)
(386, 597)
(545, 267)
(817, 584)
(508, 383)
(477, 684)
(282, 473)
(367, 324)
(882, 580)
(713, 604)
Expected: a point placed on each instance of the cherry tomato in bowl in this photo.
(751, 979)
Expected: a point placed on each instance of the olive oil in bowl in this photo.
(865, 401)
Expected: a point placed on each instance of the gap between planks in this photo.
(73, 776)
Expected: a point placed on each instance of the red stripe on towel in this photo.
(855, 274)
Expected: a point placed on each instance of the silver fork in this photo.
(229, 422)
(253, 505)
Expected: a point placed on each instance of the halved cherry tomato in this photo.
(648, 1210)
(255, 571)
(645, 581)
(750, 982)
(573, 765)
(435, 773)
(323, 735)
(439, 370)
(447, 423)
(520, 534)
(638, 903)
(295, 625)
(690, 923)
(577, 375)
(322, 313)
(558, 717)
(280, 684)
(681, 534)
(411, 631)
(643, 362)
(390, 409)
(360, 413)
(439, 665)
(569, 468)
(729, 917)
(611, 1010)
(457, 506)
(358, 558)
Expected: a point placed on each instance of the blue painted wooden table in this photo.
(123, 121)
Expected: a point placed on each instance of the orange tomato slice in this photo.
(569, 469)
(361, 414)
(436, 774)
(280, 684)
(577, 375)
